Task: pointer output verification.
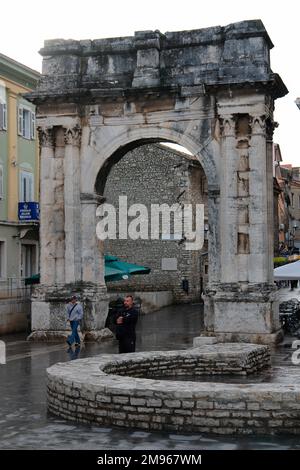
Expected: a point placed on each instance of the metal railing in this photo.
(13, 287)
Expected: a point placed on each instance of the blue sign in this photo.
(29, 211)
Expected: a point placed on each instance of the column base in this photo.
(49, 317)
(243, 313)
(254, 338)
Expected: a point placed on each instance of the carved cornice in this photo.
(72, 135)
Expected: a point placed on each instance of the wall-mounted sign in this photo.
(29, 211)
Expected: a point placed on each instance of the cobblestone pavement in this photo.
(25, 424)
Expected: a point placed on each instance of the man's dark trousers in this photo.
(126, 345)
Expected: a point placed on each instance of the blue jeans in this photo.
(74, 337)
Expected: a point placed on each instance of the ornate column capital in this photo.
(72, 135)
(270, 128)
(46, 136)
(227, 125)
(258, 125)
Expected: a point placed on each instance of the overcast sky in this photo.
(26, 24)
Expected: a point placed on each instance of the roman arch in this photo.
(211, 91)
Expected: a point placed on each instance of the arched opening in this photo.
(149, 172)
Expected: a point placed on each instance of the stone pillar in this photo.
(47, 212)
(71, 256)
(48, 299)
(72, 205)
(243, 306)
(214, 256)
(92, 262)
(59, 216)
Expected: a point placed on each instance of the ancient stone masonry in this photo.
(210, 90)
(113, 390)
(153, 174)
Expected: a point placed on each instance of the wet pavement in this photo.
(25, 423)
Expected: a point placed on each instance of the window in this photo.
(3, 108)
(28, 260)
(1, 182)
(26, 187)
(26, 123)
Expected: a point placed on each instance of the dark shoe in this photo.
(77, 345)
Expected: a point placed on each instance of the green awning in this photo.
(35, 279)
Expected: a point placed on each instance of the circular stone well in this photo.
(121, 390)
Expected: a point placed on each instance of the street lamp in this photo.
(295, 226)
(206, 229)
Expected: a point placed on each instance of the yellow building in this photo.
(19, 175)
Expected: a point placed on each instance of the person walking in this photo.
(126, 322)
(75, 315)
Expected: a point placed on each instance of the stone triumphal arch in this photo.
(211, 91)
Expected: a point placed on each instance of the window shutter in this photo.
(32, 126)
(20, 121)
(1, 182)
(4, 125)
(1, 116)
(27, 186)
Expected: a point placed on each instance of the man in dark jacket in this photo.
(126, 322)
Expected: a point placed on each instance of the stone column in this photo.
(92, 262)
(71, 255)
(47, 317)
(214, 256)
(72, 204)
(243, 306)
(261, 181)
(47, 215)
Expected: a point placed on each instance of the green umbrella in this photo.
(113, 274)
(116, 270)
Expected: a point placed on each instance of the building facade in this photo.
(19, 180)
(287, 200)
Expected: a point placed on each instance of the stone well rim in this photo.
(93, 374)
